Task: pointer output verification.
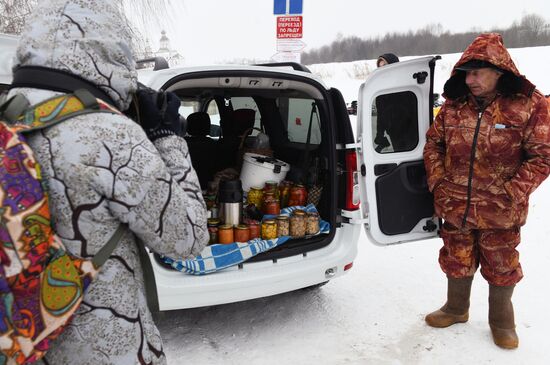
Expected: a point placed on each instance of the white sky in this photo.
(216, 31)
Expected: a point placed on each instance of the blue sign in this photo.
(295, 7)
(279, 7)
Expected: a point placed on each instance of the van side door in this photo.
(394, 114)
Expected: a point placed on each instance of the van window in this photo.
(395, 122)
(297, 114)
(188, 107)
(247, 102)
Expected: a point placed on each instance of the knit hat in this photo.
(388, 57)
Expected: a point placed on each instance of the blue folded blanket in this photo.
(220, 256)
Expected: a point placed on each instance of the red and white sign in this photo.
(289, 26)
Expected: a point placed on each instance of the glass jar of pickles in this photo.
(312, 223)
(269, 229)
(284, 192)
(298, 195)
(283, 225)
(271, 186)
(225, 234)
(212, 225)
(241, 233)
(255, 196)
(298, 224)
(254, 229)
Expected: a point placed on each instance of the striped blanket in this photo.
(220, 256)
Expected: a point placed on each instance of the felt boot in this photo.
(501, 316)
(456, 308)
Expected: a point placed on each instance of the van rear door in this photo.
(394, 115)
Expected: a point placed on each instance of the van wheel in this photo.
(316, 286)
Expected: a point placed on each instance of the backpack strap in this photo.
(51, 111)
(13, 107)
(103, 254)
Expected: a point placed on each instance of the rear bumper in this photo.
(258, 279)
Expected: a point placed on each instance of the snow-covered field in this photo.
(374, 314)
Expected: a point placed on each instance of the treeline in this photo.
(531, 31)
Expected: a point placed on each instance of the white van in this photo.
(389, 186)
(383, 190)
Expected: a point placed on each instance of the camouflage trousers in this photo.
(493, 249)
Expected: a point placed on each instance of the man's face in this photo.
(483, 81)
(382, 62)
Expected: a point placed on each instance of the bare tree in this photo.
(533, 22)
(139, 14)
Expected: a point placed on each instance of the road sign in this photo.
(290, 45)
(289, 26)
(286, 57)
(287, 7)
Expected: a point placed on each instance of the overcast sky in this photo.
(214, 31)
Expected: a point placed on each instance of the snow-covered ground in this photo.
(374, 314)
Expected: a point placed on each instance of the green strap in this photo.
(105, 252)
(13, 107)
(148, 277)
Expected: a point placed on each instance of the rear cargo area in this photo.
(260, 143)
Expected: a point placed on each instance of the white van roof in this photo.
(8, 45)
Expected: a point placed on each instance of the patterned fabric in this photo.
(505, 148)
(220, 256)
(41, 284)
(494, 249)
(87, 38)
(101, 170)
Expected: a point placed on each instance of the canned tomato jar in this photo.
(241, 233)
(225, 233)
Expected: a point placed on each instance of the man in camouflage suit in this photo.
(486, 152)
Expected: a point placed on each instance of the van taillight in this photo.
(352, 181)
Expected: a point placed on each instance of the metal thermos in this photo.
(230, 197)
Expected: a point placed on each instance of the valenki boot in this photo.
(501, 316)
(456, 308)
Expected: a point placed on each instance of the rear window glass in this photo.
(300, 116)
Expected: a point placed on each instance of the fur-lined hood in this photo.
(488, 47)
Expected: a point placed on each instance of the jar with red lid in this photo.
(225, 233)
(253, 229)
(298, 195)
(241, 233)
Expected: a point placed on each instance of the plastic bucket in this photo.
(258, 169)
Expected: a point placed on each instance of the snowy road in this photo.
(373, 315)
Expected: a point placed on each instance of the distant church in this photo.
(165, 51)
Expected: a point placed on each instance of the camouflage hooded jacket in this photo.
(482, 164)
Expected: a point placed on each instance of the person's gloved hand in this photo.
(158, 113)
